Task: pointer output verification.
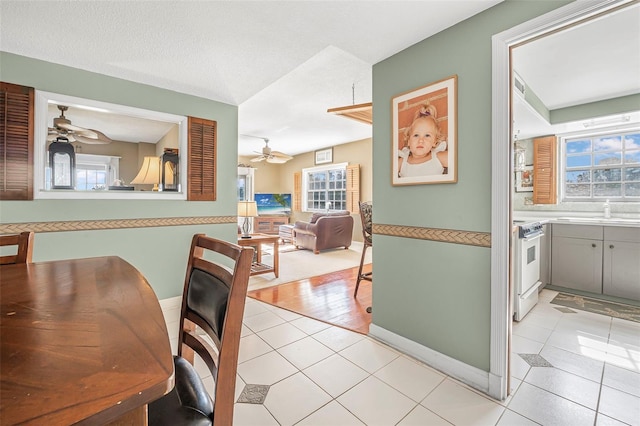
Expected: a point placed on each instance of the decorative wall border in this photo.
(96, 225)
(480, 239)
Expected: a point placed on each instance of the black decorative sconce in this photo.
(170, 161)
(62, 160)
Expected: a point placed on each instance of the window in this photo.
(96, 172)
(604, 166)
(325, 188)
(245, 183)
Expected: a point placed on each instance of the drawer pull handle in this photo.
(611, 246)
(593, 245)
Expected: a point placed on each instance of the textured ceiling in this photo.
(284, 63)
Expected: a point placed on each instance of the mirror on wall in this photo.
(111, 146)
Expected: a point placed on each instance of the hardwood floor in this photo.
(327, 298)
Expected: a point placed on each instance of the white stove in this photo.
(526, 262)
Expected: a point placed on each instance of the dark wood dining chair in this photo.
(213, 300)
(24, 252)
(366, 214)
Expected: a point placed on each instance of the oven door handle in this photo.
(533, 237)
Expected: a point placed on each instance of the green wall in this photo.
(621, 105)
(159, 252)
(438, 294)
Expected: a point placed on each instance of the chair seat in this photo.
(188, 403)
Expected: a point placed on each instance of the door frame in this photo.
(502, 176)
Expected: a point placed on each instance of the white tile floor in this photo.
(324, 375)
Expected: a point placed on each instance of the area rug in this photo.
(300, 264)
(603, 307)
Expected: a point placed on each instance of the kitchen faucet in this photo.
(607, 210)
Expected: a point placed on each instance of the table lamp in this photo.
(247, 209)
(149, 172)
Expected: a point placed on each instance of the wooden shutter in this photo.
(201, 167)
(297, 192)
(16, 142)
(353, 188)
(544, 170)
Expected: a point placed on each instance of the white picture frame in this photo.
(438, 100)
(324, 156)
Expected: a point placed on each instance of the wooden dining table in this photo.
(82, 341)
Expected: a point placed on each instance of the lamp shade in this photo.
(149, 172)
(247, 209)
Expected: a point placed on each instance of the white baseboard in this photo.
(472, 376)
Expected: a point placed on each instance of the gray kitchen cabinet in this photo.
(621, 262)
(576, 257)
(545, 255)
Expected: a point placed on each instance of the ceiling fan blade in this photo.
(88, 133)
(257, 159)
(68, 126)
(276, 160)
(281, 155)
(69, 137)
(90, 141)
(99, 135)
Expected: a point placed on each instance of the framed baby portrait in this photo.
(424, 141)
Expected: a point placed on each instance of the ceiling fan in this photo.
(62, 127)
(269, 155)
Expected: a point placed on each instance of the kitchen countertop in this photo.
(575, 218)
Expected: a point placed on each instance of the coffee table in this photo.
(256, 242)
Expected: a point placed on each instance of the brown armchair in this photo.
(324, 231)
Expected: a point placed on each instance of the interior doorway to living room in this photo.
(316, 282)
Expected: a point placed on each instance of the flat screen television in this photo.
(273, 204)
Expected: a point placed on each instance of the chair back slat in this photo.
(24, 249)
(366, 217)
(223, 273)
